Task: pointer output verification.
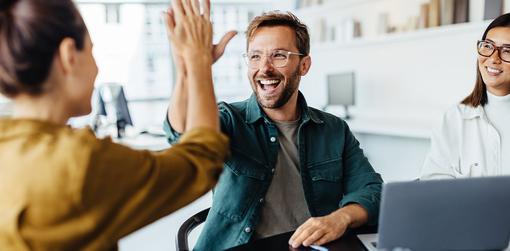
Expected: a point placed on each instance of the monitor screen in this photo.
(341, 89)
(101, 106)
(120, 102)
(114, 95)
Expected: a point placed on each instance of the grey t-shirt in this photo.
(284, 207)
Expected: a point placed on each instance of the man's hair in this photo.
(278, 18)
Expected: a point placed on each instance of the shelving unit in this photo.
(401, 76)
(367, 12)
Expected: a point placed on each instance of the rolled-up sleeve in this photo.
(146, 186)
(361, 184)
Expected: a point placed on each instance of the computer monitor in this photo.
(114, 94)
(121, 108)
(341, 90)
(98, 109)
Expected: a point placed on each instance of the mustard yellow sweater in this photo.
(64, 189)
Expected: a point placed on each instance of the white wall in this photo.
(404, 75)
(410, 76)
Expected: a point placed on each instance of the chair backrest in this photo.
(181, 239)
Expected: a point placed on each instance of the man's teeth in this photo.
(493, 70)
(269, 82)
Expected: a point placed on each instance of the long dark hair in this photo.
(30, 34)
(479, 94)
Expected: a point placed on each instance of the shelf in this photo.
(321, 8)
(399, 127)
(404, 37)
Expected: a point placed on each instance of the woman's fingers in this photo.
(196, 7)
(207, 9)
(186, 5)
(178, 10)
(168, 20)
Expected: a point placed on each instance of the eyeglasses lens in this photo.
(486, 49)
(276, 58)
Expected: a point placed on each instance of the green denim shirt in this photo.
(334, 171)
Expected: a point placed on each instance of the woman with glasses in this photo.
(64, 189)
(472, 139)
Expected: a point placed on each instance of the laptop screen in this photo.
(462, 214)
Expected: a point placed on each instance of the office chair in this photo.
(181, 239)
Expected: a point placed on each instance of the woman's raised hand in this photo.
(189, 31)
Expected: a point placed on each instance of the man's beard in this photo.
(284, 96)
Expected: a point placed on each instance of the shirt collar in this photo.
(254, 111)
(473, 112)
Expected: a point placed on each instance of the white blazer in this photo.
(463, 144)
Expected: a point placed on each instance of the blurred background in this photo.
(393, 66)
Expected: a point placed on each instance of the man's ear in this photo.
(306, 63)
(67, 55)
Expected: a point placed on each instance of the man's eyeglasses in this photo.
(277, 58)
(487, 48)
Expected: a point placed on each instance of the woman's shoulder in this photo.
(458, 111)
(457, 116)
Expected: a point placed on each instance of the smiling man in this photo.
(293, 167)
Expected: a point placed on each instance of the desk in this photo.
(144, 142)
(348, 242)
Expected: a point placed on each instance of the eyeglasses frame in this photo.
(245, 56)
(498, 48)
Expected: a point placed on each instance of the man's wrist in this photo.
(354, 214)
(344, 216)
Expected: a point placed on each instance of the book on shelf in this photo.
(461, 12)
(316, 2)
(424, 16)
(319, 30)
(357, 29)
(447, 12)
(297, 4)
(434, 13)
(348, 30)
(493, 9)
(382, 24)
(412, 24)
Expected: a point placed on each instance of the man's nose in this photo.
(265, 65)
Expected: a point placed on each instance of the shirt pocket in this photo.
(330, 170)
(327, 185)
(238, 186)
(473, 169)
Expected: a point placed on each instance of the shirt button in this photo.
(247, 230)
(272, 170)
(476, 164)
(273, 139)
(261, 200)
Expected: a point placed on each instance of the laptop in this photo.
(457, 214)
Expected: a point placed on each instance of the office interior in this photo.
(404, 75)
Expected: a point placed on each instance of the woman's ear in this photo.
(306, 63)
(67, 55)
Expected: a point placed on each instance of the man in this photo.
(292, 166)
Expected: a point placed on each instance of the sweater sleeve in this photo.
(126, 189)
